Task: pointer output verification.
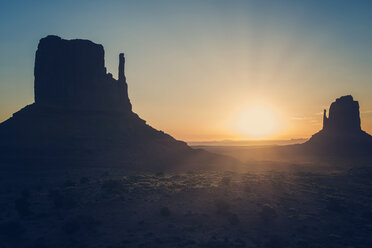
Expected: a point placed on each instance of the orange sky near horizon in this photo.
(208, 70)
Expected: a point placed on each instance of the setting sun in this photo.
(257, 121)
(186, 123)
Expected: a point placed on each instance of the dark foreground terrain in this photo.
(266, 205)
(81, 113)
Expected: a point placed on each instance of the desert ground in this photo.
(266, 204)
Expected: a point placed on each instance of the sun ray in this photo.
(257, 121)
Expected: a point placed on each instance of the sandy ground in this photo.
(267, 205)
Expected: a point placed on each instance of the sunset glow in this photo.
(257, 122)
(187, 77)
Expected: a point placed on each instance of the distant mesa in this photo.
(341, 138)
(343, 117)
(341, 131)
(82, 113)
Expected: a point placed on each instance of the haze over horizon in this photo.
(208, 70)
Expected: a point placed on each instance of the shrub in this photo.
(82, 222)
(165, 212)
(277, 242)
(334, 205)
(247, 188)
(11, 229)
(268, 213)
(25, 193)
(84, 180)
(71, 227)
(112, 186)
(69, 183)
(226, 180)
(222, 206)
(22, 206)
(38, 243)
(63, 199)
(234, 219)
(159, 174)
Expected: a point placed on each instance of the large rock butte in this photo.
(72, 74)
(82, 113)
(341, 133)
(344, 117)
(341, 139)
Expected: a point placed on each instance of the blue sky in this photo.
(193, 66)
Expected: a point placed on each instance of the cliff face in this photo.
(343, 117)
(341, 133)
(81, 112)
(71, 74)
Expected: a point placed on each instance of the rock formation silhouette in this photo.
(343, 117)
(71, 74)
(341, 133)
(341, 139)
(82, 113)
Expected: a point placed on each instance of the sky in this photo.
(208, 70)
